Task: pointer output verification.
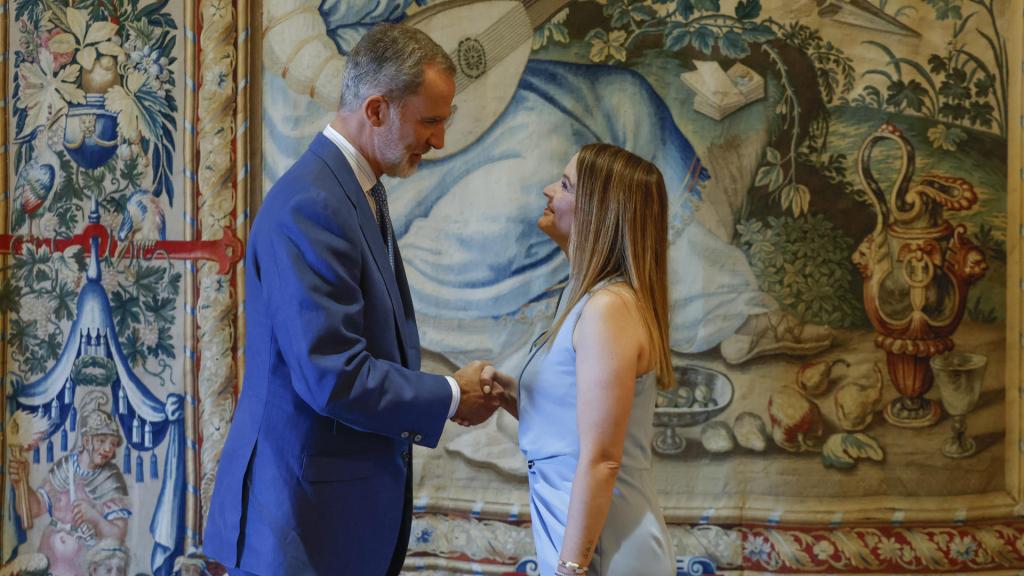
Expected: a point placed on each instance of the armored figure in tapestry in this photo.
(84, 497)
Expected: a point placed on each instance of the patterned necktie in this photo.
(384, 219)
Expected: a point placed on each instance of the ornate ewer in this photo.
(90, 132)
(917, 269)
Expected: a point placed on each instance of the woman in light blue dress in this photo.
(586, 395)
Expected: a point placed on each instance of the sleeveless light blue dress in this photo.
(635, 540)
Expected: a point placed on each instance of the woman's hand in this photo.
(496, 382)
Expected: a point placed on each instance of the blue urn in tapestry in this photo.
(90, 132)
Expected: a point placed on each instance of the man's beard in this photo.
(396, 162)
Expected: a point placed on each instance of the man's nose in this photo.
(437, 138)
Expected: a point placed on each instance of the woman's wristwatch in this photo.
(568, 568)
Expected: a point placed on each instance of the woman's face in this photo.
(556, 221)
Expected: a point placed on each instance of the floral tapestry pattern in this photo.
(95, 288)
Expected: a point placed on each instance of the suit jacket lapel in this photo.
(343, 172)
(412, 334)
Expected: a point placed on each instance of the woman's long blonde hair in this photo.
(620, 228)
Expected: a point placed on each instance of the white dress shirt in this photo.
(367, 179)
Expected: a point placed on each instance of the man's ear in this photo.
(375, 108)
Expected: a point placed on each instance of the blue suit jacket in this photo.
(332, 399)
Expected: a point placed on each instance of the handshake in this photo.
(483, 390)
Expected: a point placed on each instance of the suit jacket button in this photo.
(405, 455)
(405, 435)
(417, 438)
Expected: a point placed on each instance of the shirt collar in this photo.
(361, 167)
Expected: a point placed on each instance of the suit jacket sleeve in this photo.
(310, 262)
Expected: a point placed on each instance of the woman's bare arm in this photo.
(610, 347)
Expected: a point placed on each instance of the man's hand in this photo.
(480, 394)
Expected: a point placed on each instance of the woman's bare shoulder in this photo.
(612, 308)
(614, 298)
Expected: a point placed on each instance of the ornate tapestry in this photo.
(843, 284)
(121, 237)
(845, 279)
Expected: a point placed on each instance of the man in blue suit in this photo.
(315, 477)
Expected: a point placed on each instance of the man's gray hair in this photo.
(389, 60)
